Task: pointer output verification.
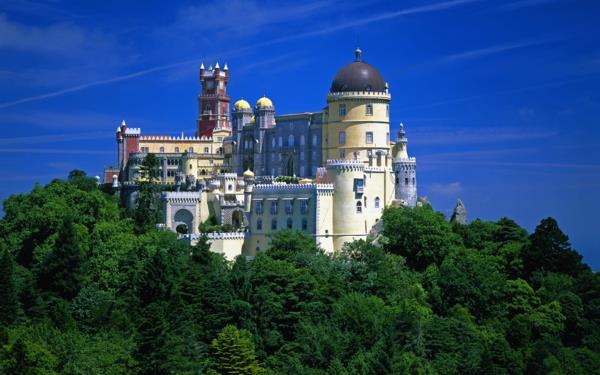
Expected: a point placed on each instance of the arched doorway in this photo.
(184, 216)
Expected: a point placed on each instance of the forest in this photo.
(89, 288)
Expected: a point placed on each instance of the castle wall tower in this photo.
(240, 116)
(349, 220)
(128, 141)
(213, 102)
(264, 114)
(405, 171)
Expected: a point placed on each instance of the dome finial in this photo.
(357, 54)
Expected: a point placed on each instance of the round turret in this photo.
(241, 105)
(248, 174)
(264, 102)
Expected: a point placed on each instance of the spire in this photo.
(217, 66)
(123, 123)
(225, 67)
(357, 54)
(210, 68)
(402, 134)
(202, 66)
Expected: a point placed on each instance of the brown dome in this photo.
(358, 76)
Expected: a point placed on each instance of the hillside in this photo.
(87, 288)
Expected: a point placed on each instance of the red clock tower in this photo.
(213, 103)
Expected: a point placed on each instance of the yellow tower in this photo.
(357, 124)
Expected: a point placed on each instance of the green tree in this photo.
(150, 168)
(419, 234)
(232, 352)
(9, 301)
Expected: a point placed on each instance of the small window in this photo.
(314, 140)
(342, 153)
(289, 223)
(303, 207)
(162, 149)
(176, 149)
(406, 181)
(358, 207)
(413, 180)
(387, 138)
(302, 155)
(387, 110)
(191, 149)
(342, 138)
(377, 202)
(289, 207)
(356, 154)
(280, 141)
(229, 187)
(258, 207)
(369, 137)
(304, 224)
(302, 171)
(291, 140)
(206, 150)
(191, 166)
(259, 224)
(273, 208)
(369, 110)
(274, 224)
(302, 140)
(342, 110)
(273, 143)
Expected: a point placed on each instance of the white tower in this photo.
(405, 170)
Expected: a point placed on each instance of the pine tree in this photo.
(232, 352)
(9, 303)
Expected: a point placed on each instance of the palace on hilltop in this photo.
(329, 174)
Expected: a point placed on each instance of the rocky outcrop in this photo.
(460, 213)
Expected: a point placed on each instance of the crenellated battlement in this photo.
(163, 138)
(289, 188)
(181, 196)
(346, 165)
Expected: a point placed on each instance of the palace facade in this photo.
(341, 167)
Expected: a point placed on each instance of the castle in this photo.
(340, 164)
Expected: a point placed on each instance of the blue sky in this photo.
(500, 99)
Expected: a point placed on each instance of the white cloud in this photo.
(451, 188)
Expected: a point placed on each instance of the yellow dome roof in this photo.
(252, 119)
(248, 174)
(241, 104)
(264, 102)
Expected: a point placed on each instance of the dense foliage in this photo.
(86, 288)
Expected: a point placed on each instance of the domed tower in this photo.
(241, 116)
(405, 171)
(357, 114)
(264, 113)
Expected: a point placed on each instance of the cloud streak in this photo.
(54, 151)
(430, 8)
(41, 139)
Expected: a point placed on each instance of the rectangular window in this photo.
(162, 149)
(259, 224)
(176, 149)
(273, 209)
(304, 224)
(359, 185)
(387, 110)
(206, 150)
(258, 207)
(342, 138)
(406, 181)
(342, 154)
(369, 138)
(274, 224)
(342, 110)
(289, 206)
(369, 110)
(303, 207)
(191, 149)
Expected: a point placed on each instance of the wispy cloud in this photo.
(53, 138)
(54, 151)
(492, 50)
(523, 4)
(451, 188)
(430, 8)
(78, 121)
(443, 136)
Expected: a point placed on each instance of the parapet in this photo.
(348, 165)
(182, 196)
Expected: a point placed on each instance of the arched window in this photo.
(342, 138)
(358, 207)
(259, 224)
(291, 140)
(289, 223)
(377, 202)
(302, 140)
(369, 110)
(162, 149)
(191, 149)
(176, 149)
